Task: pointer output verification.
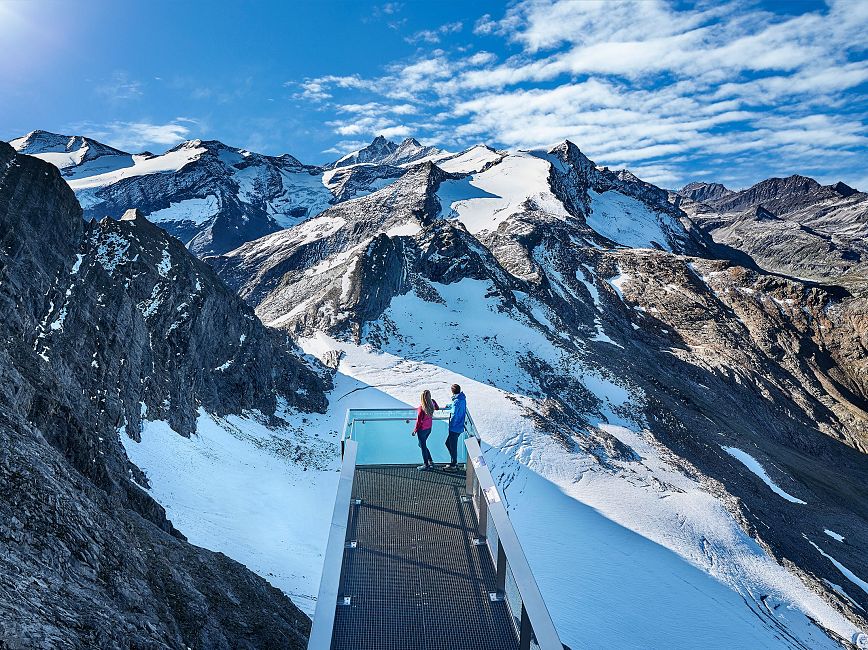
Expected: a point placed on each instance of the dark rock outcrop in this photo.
(704, 192)
(102, 323)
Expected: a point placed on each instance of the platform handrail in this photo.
(535, 620)
(329, 584)
(350, 422)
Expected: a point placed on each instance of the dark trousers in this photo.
(452, 445)
(423, 445)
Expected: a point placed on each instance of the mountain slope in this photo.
(107, 325)
(605, 352)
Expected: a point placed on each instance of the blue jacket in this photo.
(458, 407)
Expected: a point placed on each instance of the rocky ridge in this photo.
(384, 152)
(106, 323)
(792, 226)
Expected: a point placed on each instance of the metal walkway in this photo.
(425, 560)
(415, 577)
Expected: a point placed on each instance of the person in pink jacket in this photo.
(424, 422)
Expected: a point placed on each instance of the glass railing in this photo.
(514, 582)
(384, 436)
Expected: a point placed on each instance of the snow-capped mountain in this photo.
(794, 226)
(108, 326)
(211, 196)
(612, 361)
(679, 434)
(73, 155)
(385, 152)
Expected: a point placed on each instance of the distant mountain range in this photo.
(211, 196)
(215, 198)
(793, 226)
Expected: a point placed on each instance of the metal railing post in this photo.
(468, 486)
(483, 515)
(525, 631)
(500, 583)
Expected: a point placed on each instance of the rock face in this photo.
(792, 226)
(621, 285)
(105, 323)
(259, 270)
(702, 192)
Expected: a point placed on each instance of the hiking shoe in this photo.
(450, 468)
(423, 468)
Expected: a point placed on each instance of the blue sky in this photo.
(730, 91)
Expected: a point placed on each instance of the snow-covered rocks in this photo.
(560, 295)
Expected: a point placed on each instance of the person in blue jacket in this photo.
(457, 417)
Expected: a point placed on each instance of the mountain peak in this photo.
(568, 153)
(134, 218)
(701, 192)
(197, 144)
(62, 150)
(844, 190)
(385, 152)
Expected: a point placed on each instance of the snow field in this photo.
(638, 556)
(196, 210)
(626, 221)
(233, 488)
(756, 468)
(486, 199)
(171, 161)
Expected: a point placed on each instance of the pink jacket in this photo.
(423, 420)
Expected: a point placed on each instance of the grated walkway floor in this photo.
(415, 579)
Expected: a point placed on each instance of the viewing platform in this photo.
(422, 559)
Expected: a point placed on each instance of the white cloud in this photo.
(660, 86)
(485, 25)
(372, 109)
(370, 126)
(137, 136)
(434, 35)
(120, 87)
(345, 146)
(318, 89)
